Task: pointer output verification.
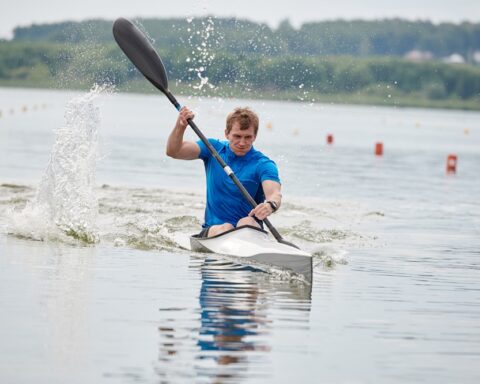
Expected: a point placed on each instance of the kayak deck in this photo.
(253, 244)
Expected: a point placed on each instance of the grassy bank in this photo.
(387, 81)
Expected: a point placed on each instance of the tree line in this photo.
(391, 37)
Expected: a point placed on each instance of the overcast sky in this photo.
(26, 12)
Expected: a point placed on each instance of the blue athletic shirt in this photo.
(225, 202)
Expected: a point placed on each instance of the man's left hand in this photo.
(261, 211)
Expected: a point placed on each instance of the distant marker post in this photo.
(452, 163)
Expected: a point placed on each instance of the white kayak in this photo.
(254, 245)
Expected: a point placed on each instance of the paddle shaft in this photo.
(226, 168)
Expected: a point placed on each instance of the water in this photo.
(396, 244)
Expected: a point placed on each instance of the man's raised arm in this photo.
(176, 146)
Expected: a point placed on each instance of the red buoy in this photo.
(452, 163)
(330, 139)
(379, 149)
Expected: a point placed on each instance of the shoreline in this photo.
(388, 99)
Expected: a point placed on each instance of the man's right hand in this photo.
(182, 118)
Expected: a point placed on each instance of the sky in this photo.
(27, 12)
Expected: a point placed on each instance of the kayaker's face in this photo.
(241, 140)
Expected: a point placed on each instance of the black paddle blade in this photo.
(140, 52)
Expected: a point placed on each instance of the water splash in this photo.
(329, 257)
(65, 206)
(202, 54)
(305, 230)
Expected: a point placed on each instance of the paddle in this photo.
(142, 54)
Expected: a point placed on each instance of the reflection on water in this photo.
(232, 320)
(230, 339)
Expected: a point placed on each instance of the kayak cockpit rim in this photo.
(231, 230)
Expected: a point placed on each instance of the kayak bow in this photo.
(253, 244)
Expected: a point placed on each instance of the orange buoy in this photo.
(452, 163)
(379, 149)
(330, 139)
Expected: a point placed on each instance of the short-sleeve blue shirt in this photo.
(225, 202)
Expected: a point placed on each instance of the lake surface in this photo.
(96, 287)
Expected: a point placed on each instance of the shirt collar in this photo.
(231, 156)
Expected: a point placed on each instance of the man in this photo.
(226, 206)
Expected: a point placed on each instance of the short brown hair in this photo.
(245, 117)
